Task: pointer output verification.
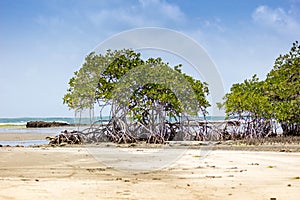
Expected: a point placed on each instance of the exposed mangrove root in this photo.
(155, 127)
(119, 131)
(65, 138)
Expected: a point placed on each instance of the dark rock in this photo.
(42, 124)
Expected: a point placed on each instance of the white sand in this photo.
(73, 173)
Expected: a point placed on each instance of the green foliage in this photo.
(97, 77)
(283, 90)
(247, 99)
(122, 77)
(155, 85)
(283, 86)
(277, 97)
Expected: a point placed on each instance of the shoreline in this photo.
(17, 138)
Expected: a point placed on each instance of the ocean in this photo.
(21, 121)
(18, 126)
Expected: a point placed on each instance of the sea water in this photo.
(18, 125)
(23, 120)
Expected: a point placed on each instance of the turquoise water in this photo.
(70, 120)
(24, 120)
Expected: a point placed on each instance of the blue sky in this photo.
(42, 42)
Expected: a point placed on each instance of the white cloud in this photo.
(167, 10)
(278, 19)
(144, 13)
(50, 21)
(214, 24)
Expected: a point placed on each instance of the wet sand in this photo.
(14, 136)
(75, 173)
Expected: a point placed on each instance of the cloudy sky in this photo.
(43, 42)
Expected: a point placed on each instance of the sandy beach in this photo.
(77, 172)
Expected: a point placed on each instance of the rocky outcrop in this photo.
(42, 124)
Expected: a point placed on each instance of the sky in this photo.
(42, 42)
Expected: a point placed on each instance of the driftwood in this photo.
(65, 137)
